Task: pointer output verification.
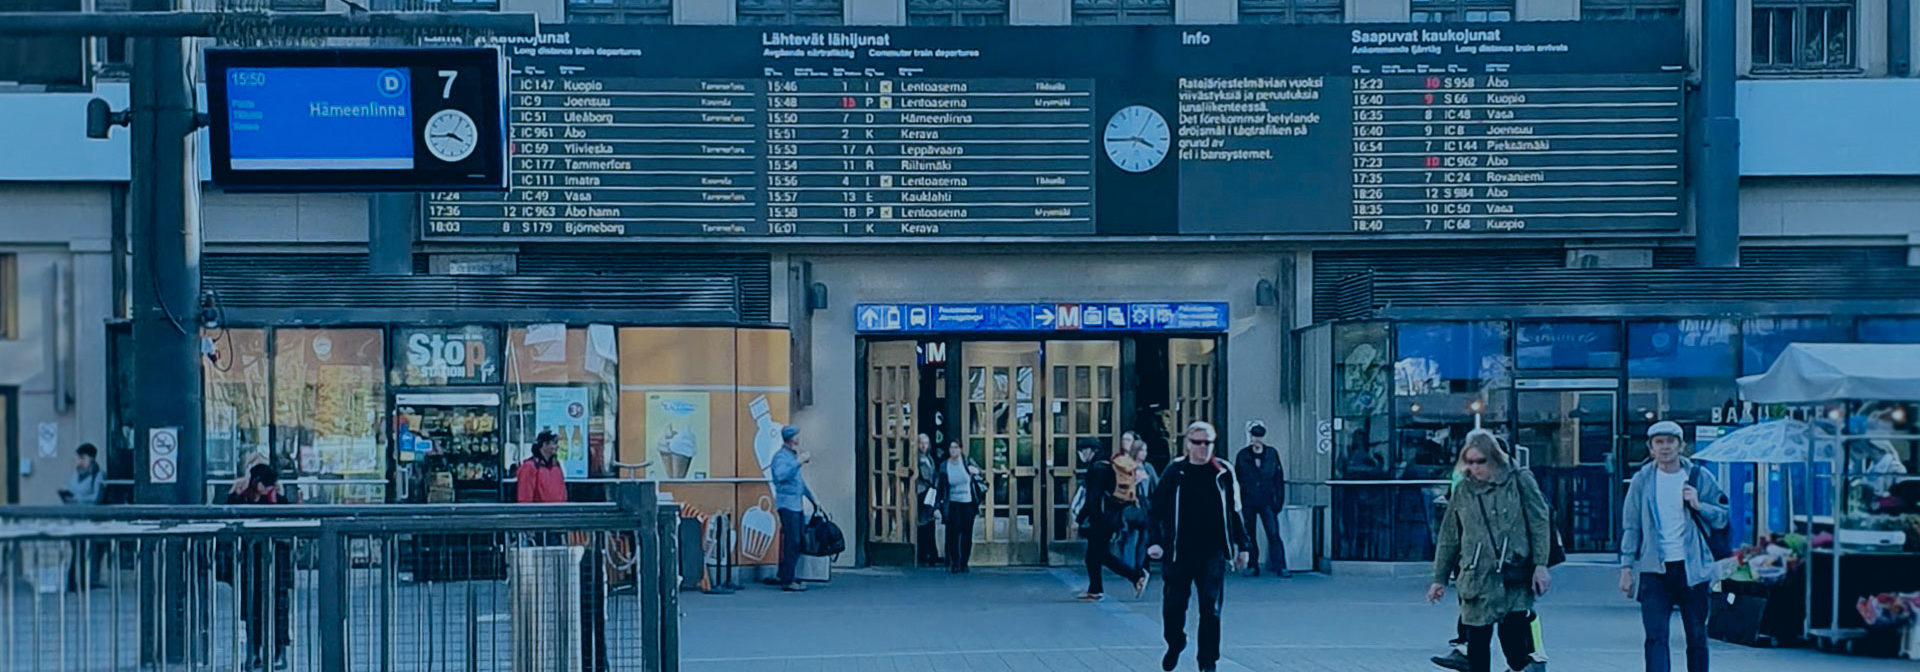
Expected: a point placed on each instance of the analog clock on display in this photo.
(451, 135)
(1136, 138)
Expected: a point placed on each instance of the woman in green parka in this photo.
(1495, 518)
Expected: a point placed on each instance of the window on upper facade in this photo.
(1461, 11)
(424, 5)
(1802, 36)
(620, 11)
(42, 63)
(1107, 12)
(791, 12)
(1631, 10)
(1292, 11)
(957, 12)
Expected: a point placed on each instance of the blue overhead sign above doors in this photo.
(926, 318)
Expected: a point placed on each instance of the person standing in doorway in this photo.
(962, 487)
(1196, 527)
(1263, 493)
(790, 495)
(926, 499)
(1671, 508)
(1103, 514)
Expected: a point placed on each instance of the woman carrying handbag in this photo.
(1496, 544)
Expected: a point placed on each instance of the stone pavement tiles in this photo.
(1020, 620)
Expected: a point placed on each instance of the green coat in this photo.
(1470, 550)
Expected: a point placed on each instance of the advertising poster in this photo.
(678, 432)
(563, 411)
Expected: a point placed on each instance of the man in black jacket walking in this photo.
(1197, 528)
(1263, 493)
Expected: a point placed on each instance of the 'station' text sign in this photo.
(991, 132)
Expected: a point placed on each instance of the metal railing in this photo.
(397, 588)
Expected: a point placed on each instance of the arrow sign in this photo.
(1044, 317)
(870, 318)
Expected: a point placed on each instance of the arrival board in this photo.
(630, 132)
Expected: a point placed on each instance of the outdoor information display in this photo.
(988, 132)
(356, 119)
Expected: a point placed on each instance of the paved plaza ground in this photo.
(1016, 620)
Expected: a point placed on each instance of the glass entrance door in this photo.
(1568, 437)
(892, 385)
(1083, 402)
(997, 425)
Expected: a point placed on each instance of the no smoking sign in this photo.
(163, 454)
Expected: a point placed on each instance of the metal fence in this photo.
(401, 588)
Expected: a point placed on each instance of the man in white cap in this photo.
(1672, 509)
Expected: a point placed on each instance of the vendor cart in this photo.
(1861, 451)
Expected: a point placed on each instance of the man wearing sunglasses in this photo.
(1196, 527)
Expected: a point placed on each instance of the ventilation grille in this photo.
(311, 281)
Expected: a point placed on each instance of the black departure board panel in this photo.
(635, 132)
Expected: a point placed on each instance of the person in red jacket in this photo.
(541, 479)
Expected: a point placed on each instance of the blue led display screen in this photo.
(320, 119)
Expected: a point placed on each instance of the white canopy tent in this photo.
(1818, 373)
(1809, 373)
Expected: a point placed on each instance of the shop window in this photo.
(1448, 379)
(1566, 345)
(1130, 12)
(957, 12)
(1292, 11)
(1890, 330)
(329, 395)
(1800, 35)
(566, 380)
(1679, 370)
(791, 12)
(1459, 11)
(1763, 339)
(658, 12)
(1360, 376)
(237, 408)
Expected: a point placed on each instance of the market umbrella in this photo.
(1771, 442)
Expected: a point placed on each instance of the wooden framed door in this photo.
(1192, 381)
(1082, 402)
(1001, 388)
(893, 386)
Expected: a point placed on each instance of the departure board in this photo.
(1554, 127)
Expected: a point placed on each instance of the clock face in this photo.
(451, 135)
(1136, 138)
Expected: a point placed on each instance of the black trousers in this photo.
(960, 533)
(1186, 576)
(1100, 555)
(1516, 643)
(1264, 518)
(924, 541)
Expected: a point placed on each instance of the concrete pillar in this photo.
(549, 11)
(1040, 12)
(875, 12)
(704, 12)
(1197, 12)
(1546, 10)
(1379, 11)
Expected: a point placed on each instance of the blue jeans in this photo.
(1659, 594)
(791, 522)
